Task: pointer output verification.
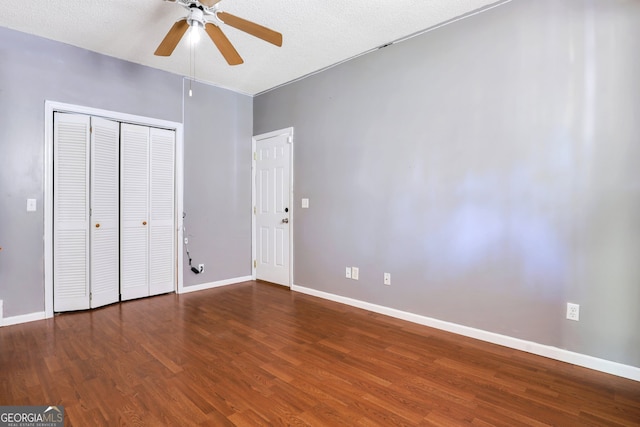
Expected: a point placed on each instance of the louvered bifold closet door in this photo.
(134, 211)
(162, 257)
(71, 212)
(105, 212)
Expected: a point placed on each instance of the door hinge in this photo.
(255, 156)
(90, 296)
(254, 210)
(255, 264)
(290, 139)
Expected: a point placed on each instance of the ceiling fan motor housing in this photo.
(196, 16)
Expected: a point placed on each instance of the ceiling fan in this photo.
(206, 14)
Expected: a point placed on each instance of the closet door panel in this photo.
(134, 211)
(134, 277)
(71, 212)
(105, 212)
(162, 257)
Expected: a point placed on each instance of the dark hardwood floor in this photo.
(257, 354)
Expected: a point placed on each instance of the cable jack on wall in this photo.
(200, 267)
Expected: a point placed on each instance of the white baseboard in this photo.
(203, 286)
(602, 365)
(24, 318)
(1, 312)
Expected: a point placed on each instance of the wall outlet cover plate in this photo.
(573, 311)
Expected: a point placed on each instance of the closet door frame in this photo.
(53, 106)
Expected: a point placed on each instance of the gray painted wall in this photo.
(33, 70)
(217, 185)
(490, 166)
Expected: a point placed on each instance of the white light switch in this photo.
(31, 205)
(305, 203)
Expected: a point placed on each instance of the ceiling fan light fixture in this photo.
(195, 21)
(194, 33)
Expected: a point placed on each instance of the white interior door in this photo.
(104, 212)
(273, 210)
(71, 212)
(162, 257)
(134, 211)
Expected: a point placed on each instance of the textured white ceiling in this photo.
(316, 33)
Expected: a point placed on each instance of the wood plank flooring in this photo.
(255, 354)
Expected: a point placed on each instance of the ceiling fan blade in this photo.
(223, 44)
(252, 28)
(209, 3)
(172, 38)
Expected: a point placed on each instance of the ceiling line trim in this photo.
(399, 40)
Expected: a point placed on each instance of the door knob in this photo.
(144, 222)
(285, 221)
(97, 225)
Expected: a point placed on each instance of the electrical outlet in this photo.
(347, 273)
(355, 272)
(387, 279)
(201, 267)
(573, 311)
